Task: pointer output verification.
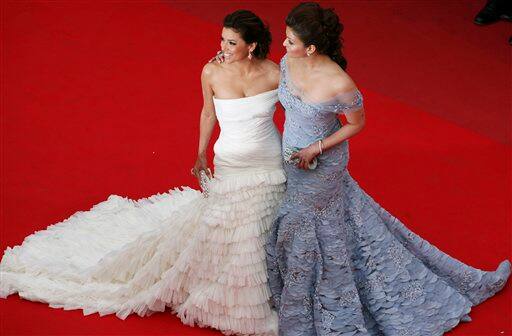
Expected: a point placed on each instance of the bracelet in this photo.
(321, 146)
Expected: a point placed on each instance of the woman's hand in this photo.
(218, 58)
(201, 164)
(305, 155)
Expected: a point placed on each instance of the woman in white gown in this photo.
(201, 256)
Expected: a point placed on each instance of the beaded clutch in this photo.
(203, 182)
(289, 151)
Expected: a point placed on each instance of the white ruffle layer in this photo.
(203, 257)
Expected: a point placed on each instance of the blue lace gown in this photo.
(340, 264)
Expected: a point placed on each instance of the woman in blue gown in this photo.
(338, 263)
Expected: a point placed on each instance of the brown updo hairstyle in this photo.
(320, 27)
(252, 29)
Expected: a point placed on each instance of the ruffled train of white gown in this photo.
(203, 257)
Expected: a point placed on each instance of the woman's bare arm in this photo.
(207, 120)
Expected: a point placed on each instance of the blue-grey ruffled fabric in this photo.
(339, 264)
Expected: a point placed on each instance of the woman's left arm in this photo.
(355, 124)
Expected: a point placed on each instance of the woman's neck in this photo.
(244, 67)
(313, 61)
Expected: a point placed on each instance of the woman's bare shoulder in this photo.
(210, 69)
(338, 80)
(271, 65)
(271, 69)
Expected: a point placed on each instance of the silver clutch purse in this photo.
(289, 151)
(204, 183)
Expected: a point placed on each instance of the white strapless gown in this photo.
(203, 257)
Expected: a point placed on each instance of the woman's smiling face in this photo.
(233, 46)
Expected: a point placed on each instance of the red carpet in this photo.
(103, 98)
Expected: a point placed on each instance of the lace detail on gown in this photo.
(340, 264)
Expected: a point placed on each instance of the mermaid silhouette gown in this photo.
(202, 256)
(339, 264)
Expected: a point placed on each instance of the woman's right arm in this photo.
(207, 121)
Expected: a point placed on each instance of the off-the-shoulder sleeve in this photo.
(347, 102)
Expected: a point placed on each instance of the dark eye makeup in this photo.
(231, 42)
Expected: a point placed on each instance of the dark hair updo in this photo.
(251, 29)
(320, 27)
